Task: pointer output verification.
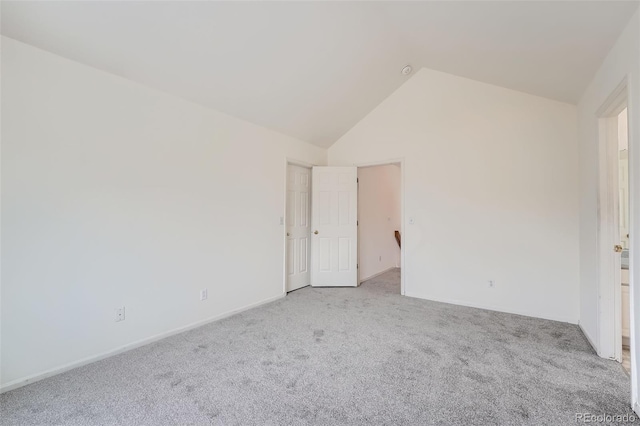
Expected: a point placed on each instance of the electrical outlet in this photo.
(380, 258)
(204, 294)
(492, 283)
(120, 314)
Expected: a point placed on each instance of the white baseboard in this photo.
(497, 309)
(391, 268)
(636, 408)
(14, 384)
(588, 337)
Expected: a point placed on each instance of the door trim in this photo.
(403, 246)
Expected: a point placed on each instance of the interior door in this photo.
(334, 245)
(298, 226)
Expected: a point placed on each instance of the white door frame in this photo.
(610, 324)
(610, 296)
(610, 328)
(294, 162)
(402, 227)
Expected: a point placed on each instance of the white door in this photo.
(298, 226)
(334, 216)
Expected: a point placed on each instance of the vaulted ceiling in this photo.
(312, 70)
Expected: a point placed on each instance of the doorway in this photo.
(321, 225)
(379, 221)
(615, 340)
(623, 209)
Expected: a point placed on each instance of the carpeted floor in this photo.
(330, 356)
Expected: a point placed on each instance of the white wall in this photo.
(622, 61)
(114, 194)
(378, 219)
(491, 180)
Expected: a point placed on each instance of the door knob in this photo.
(315, 232)
(617, 248)
(287, 234)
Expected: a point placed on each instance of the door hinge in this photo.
(357, 180)
(357, 266)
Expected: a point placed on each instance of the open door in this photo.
(334, 213)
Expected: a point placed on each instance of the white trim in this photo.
(636, 408)
(589, 339)
(634, 242)
(391, 268)
(380, 163)
(91, 359)
(498, 309)
(403, 242)
(300, 163)
(613, 105)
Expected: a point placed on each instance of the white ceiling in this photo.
(312, 70)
